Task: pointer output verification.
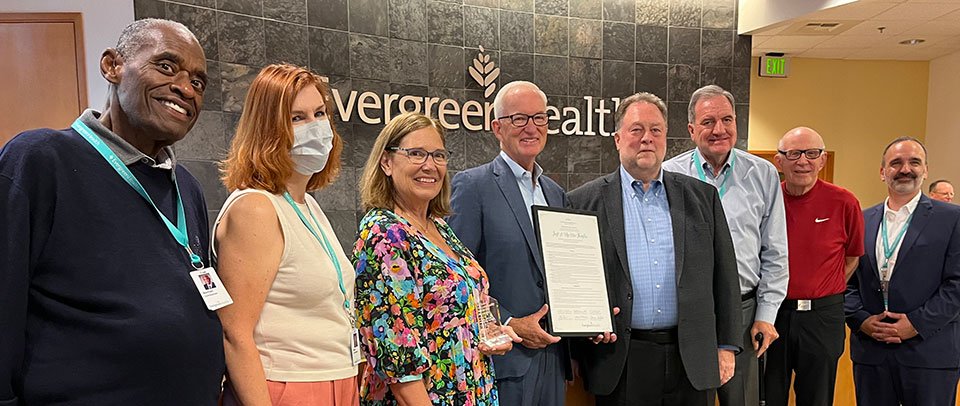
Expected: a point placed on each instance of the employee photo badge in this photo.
(211, 289)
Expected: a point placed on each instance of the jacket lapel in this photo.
(676, 200)
(872, 224)
(507, 183)
(612, 197)
(920, 218)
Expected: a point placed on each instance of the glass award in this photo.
(488, 315)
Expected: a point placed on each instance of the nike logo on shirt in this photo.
(820, 220)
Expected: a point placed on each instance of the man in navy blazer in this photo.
(492, 217)
(903, 301)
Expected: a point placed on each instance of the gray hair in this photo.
(905, 138)
(933, 186)
(642, 97)
(134, 35)
(707, 91)
(498, 100)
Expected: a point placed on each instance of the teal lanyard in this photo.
(322, 239)
(180, 231)
(703, 176)
(887, 247)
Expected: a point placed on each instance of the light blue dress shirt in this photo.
(753, 204)
(529, 184)
(648, 230)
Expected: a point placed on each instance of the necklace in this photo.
(424, 227)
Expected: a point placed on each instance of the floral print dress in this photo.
(416, 311)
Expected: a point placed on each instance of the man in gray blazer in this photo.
(671, 269)
(492, 217)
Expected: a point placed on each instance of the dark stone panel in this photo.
(235, 80)
(291, 11)
(481, 147)
(652, 78)
(149, 9)
(469, 55)
(408, 19)
(677, 120)
(361, 144)
(456, 141)
(286, 43)
(446, 66)
(619, 41)
(341, 194)
(559, 178)
(653, 12)
(575, 180)
(552, 7)
(619, 10)
(677, 146)
(586, 38)
(551, 34)
(517, 5)
(651, 44)
(720, 76)
(584, 154)
(230, 121)
(248, 7)
(445, 23)
(208, 175)
(716, 48)
(743, 124)
(201, 3)
(585, 76)
(516, 31)
(369, 57)
(409, 62)
(742, 143)
(343, 85)
(368, 17)
(682, 81)
(553, 159)
(684, 46)
(484, 3)
(551, 73)
(720, 14)
(609, 156)
(742, 48)
(741, 85)
(213, 94)
(685, 13)
(328, 14)
(516, 66)
(586, 9)
(200, 22)
(481, 27)
(205, 140)
(345, 225)
(241, 39)
(617, 78)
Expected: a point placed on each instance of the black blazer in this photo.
(708, 286)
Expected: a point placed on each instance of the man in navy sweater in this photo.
(97, 304)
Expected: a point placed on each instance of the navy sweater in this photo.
(96, 303)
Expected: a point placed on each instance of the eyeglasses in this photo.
(419, 155)
(794, 154)
(520, 119)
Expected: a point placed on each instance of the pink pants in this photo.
(342, 392)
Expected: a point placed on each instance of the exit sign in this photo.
(774, 66)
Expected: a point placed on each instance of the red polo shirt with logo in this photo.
(824, 226)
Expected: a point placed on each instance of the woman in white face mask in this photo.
(289, 336)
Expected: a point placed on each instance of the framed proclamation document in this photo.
(576, 286)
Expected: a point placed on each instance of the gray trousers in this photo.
(543, 385)
(744, 388)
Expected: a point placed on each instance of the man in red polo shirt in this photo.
(825, 241)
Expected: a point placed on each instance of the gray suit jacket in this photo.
(490, 218)
(708, 291)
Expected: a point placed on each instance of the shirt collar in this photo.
(909, 207)
(706, 164)
(627, 181)
(124, 150)
(519, 171)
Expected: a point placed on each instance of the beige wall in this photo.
(858, 107)
(943, 120)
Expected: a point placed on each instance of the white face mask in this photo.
(312, 143)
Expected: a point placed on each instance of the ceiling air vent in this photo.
(821, 27)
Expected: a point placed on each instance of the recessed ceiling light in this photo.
(913, 41)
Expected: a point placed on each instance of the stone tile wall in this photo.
(570, 48)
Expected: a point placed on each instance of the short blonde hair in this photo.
(376, 188)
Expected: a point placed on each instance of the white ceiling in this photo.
(858, 36)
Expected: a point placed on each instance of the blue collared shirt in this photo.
(753, 204)
(528, 182)
(648, 230)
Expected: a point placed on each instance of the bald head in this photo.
(800, 156)
(800, 138)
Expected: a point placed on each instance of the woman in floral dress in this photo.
(418, 287)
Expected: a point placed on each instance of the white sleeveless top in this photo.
(303, 334)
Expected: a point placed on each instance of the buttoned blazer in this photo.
(925, 285)
(490, 218)
(708, 290)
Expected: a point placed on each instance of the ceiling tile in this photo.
(849, 41)
(851, 11)
(870, 27)
(794, 41)
(918, 11)
(835, 53)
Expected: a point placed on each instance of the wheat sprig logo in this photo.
(484, 72)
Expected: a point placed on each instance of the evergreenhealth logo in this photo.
(471, 115)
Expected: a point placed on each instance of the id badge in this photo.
(355, 355)
(211, 289)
